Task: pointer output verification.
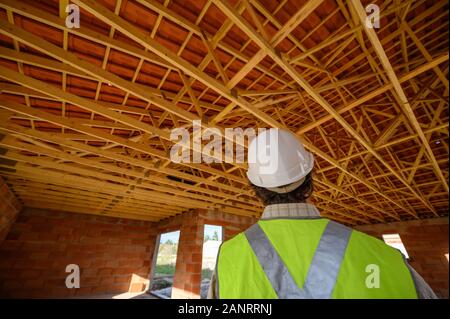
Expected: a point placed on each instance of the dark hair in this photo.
(298, 195)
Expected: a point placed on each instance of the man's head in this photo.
(297, 195)
(279, 167)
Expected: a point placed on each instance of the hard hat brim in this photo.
(268, 180)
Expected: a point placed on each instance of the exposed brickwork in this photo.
(426, 242)
(114, 255)
(189, 259)
(9, 209)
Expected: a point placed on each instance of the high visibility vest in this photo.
(310, 258)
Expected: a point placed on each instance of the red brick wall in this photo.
(188, 267)
(426, 242)
(114, 255)
(9, 208)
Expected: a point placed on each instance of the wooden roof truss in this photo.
(86, 113)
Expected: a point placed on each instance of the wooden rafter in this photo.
(398, 89)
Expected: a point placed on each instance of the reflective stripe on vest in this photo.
(322, 273)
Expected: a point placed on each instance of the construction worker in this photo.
(294, 253)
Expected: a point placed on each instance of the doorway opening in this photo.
(164, 262)
(212, 239)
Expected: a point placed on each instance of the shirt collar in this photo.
(298, 210)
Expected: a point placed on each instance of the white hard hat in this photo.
(277, 158)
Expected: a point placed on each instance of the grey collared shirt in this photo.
(305, 211)
(299, 210)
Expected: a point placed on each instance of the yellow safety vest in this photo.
(310, 258)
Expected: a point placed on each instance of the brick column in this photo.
(9, 209)
(186, 281)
